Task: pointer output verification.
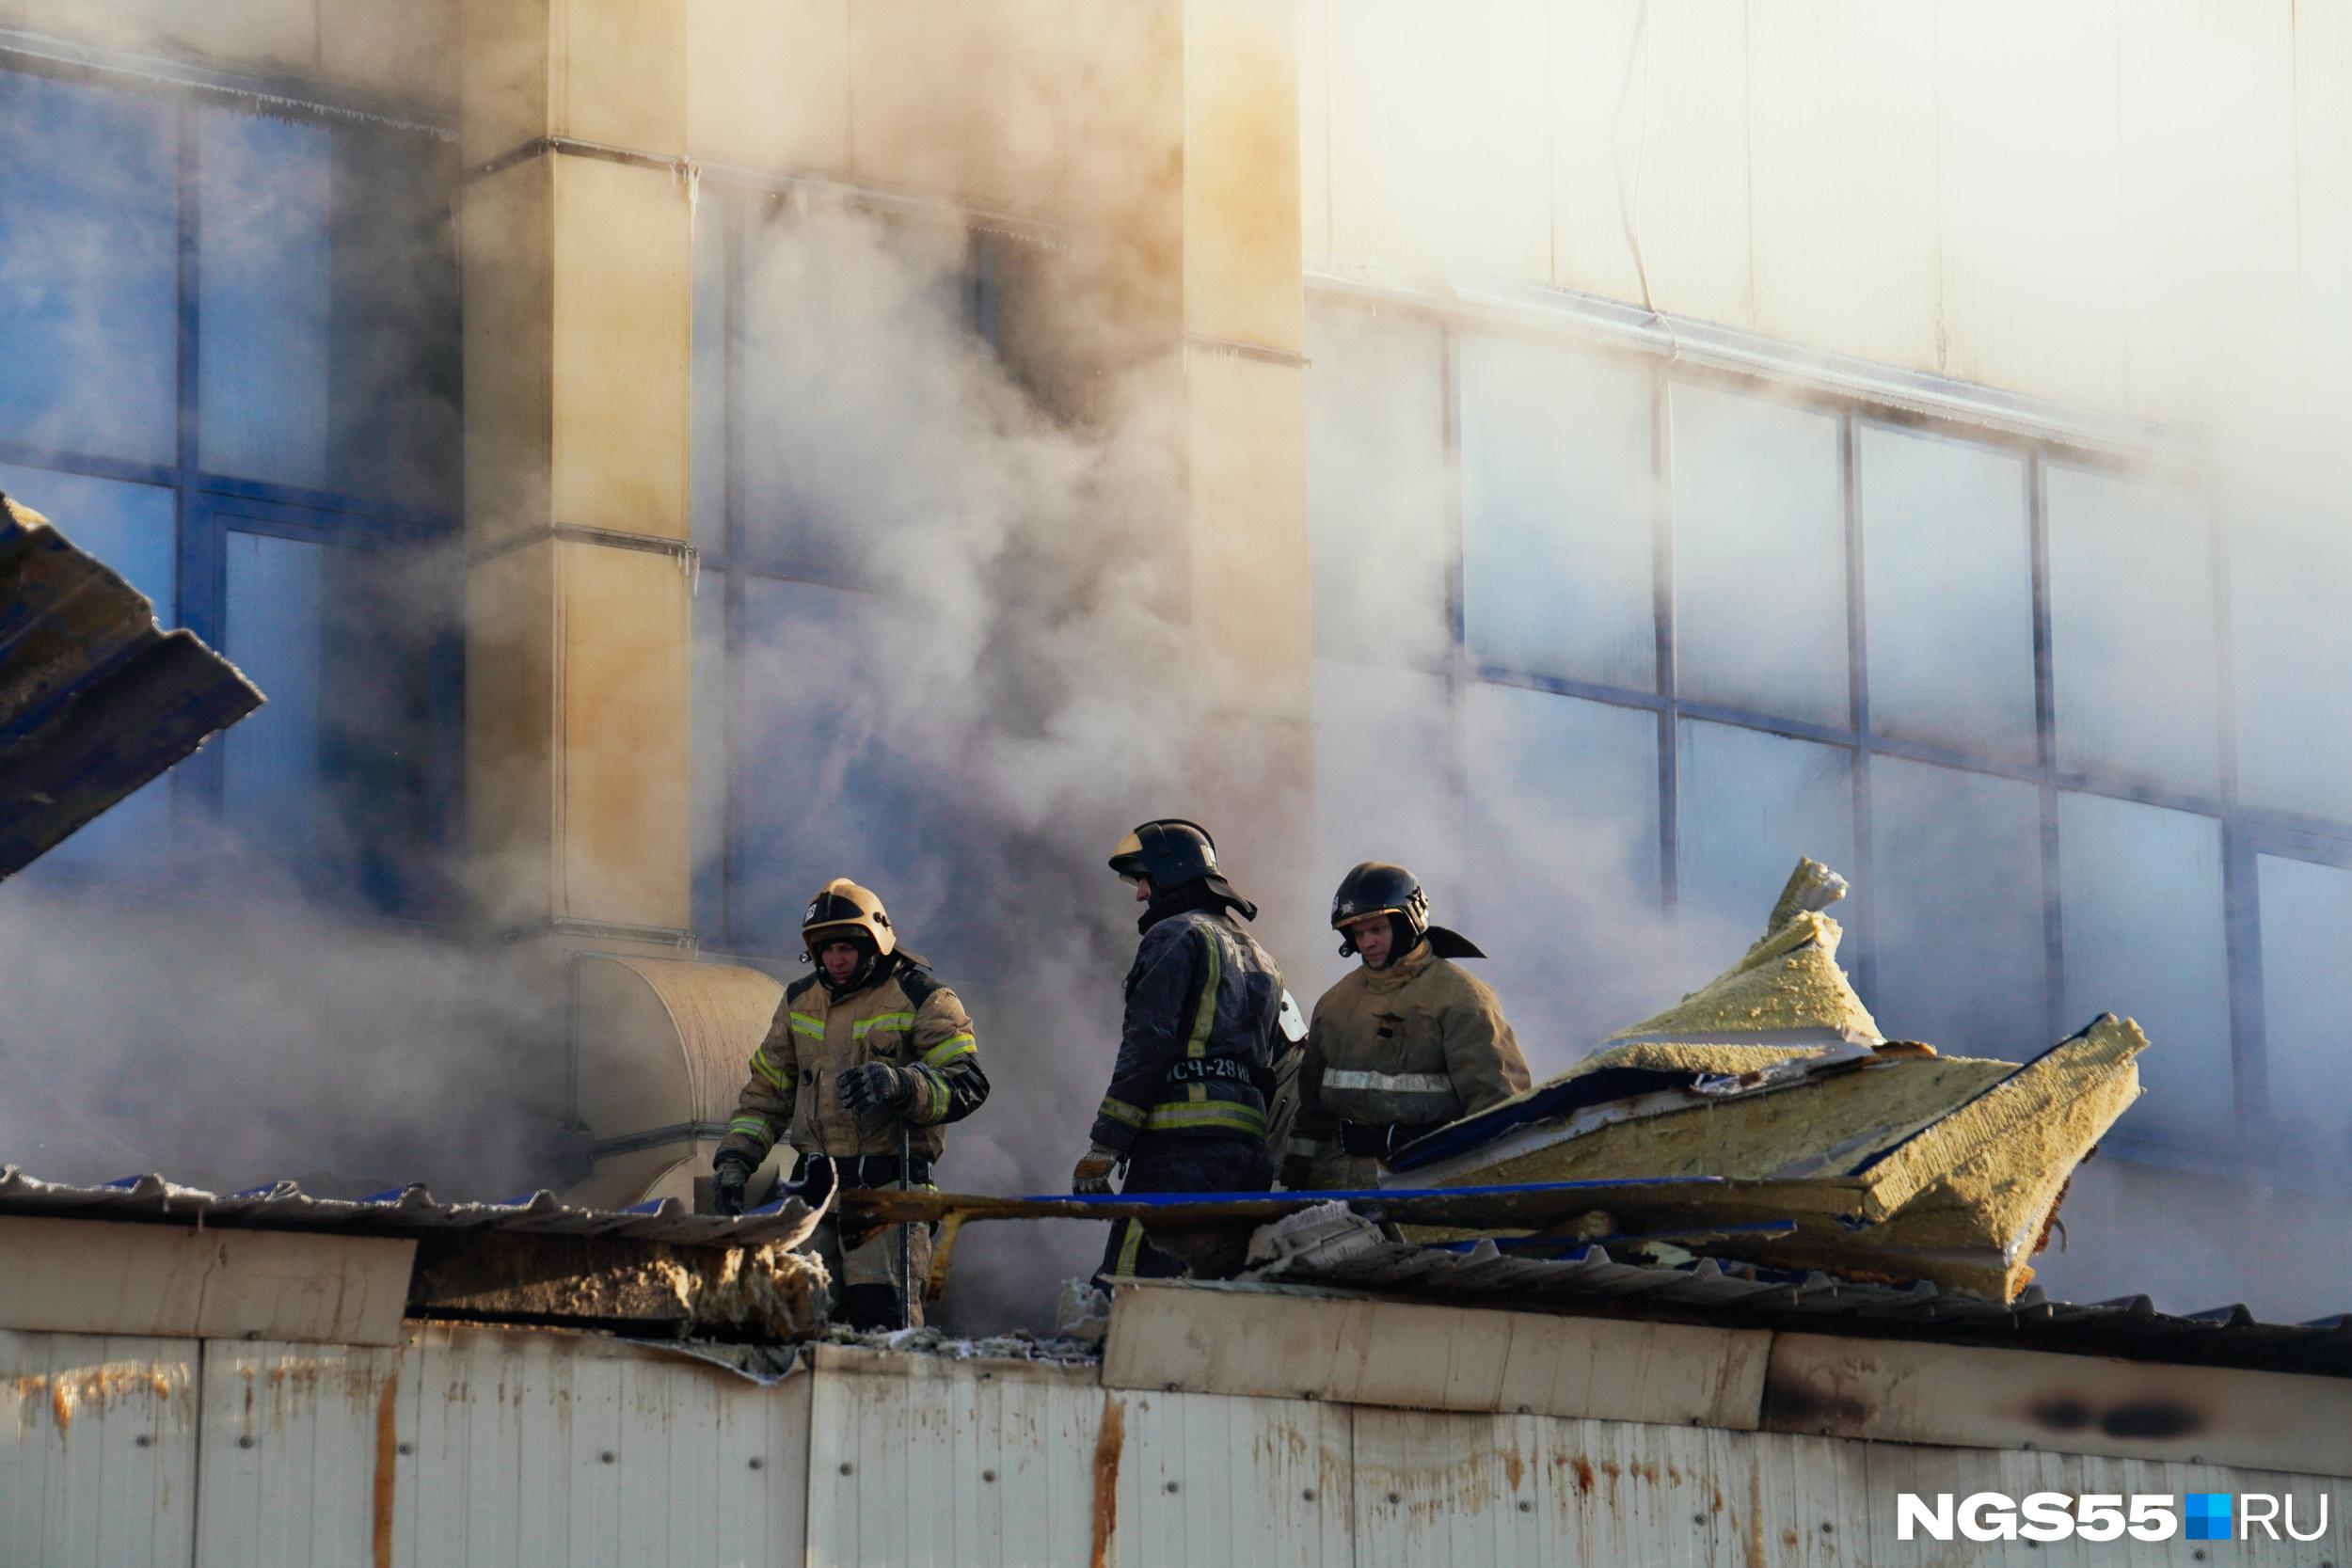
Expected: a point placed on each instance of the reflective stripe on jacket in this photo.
(1202, 1002)
(906, 1018)
(1420, 1041)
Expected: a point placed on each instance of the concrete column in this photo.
(578, 338)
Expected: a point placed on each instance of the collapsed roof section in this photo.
(95, 699)
(1887, 1161)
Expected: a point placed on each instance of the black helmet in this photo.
(1168, 850)
(1376, 888)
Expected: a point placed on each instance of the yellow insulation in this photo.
(1966, 1159)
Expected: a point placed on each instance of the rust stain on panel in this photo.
(1755, 1543)
(1107, 1447)
(67, 1392)
(386, 1446)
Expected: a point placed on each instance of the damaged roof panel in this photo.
(95, 699)
(1886, 1159)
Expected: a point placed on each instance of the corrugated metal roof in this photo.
(401, 1212)
(1744, 1293)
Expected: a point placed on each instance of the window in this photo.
(2307, 1005)
(1947, 568)
(2144, 937)
(89, 271)
(1962, 957)
(1563, 860)
(1759, 543)
(290, 497)
(2131, 632)
(1557, 538)
(1751, 803)
(818, 476)
(2291, 660)
(1383, 739)
(2025, 779)
(1376, 455)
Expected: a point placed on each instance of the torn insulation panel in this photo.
(95, 699)
(1886, 1159)
(1785, 990)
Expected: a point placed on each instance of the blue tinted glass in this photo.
(1751, 805)
(2132, 631)
(1375, 484)
(129, 528)
(2140, 892)
(1948, 566)
(2307, 1000)
(1557, 559)
(1563, 886)
(1961, 960)
(88, 270)
(272, 794)
(2291, 667)
(820, 790)
(262, 315)
(1759, 556)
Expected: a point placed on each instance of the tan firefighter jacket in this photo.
(906, 1018)
(1417, 1043)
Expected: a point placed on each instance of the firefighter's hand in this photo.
(876, 1085)
(1092, 1179)
(1298, 1172)
(727, 1179)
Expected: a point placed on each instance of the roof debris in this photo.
(1881, 1160)
(95, 699)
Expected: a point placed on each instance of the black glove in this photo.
(876, 1085)
(728, 1175)
(1297, 1170)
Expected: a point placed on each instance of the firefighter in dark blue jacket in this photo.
(1186, 1111)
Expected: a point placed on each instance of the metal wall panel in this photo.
(1553, 1494)
(97, 1446)
(1210, 1481)
(2206, 99)
(287, 1472)
(1892, 1391)
(521, 1448)
(1433, 1358)
(919, 1461)
(1845, 217)
(95, 1276)
(2030, 165)
(483, 1447)
(1599, 68)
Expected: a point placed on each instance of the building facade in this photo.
(655, 457)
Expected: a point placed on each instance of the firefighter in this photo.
(1186, 1109)
(868, 1055)
(1403, 1044)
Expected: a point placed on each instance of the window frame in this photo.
(208, 505)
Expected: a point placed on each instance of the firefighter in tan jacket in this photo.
(1405, 1044)
(868, 1055)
